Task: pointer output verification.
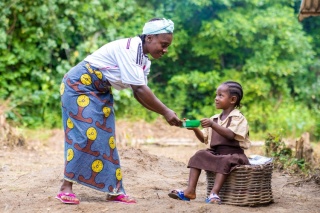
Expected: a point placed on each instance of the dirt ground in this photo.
(30, 177)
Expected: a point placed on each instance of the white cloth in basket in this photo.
(259, 160)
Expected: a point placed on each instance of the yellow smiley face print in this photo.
(62, 87)
(83, 100)
(70, 154)
(69, 123)
(106, 111)
(97, 166)
(98, 74)
(89, 68)
(85, 79)
(92, 133)
(112, 142)
(118, 174)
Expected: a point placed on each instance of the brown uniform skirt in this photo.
(219, 159)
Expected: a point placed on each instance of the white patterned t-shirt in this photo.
(122, 62)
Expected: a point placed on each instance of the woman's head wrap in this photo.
(158, 27)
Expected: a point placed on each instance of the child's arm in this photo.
(198, 133)
(223, 131)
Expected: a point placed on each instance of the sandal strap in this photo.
(214, 196)
(121, 198)
(67, 194)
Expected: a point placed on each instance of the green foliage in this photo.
(193, 93)
(127, 107)
(43, 39)
(282, 155)
(259, 43)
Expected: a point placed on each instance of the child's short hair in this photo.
(235, 89)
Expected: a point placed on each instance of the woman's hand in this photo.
(172, 118)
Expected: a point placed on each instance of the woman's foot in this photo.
(68, 198)
(66, 194)
(122, 198)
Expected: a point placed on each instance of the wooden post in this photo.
(299, 148)
(307, 149)
(304, 149)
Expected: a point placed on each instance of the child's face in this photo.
(223, 99)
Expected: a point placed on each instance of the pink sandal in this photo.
(72, 198)
(121, 199)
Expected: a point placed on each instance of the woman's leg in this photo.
(66, 189)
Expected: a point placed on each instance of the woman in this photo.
(91, 156)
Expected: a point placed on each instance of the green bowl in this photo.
(191, 123)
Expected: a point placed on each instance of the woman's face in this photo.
(157, 45)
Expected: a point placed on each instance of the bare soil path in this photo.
(31, 176)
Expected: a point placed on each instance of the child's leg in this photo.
(218, 182)
(214, 194)
(194, 174)
(190, 192)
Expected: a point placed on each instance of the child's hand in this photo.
(192, 128)
(206, 122)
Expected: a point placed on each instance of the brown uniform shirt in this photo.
(238, 124)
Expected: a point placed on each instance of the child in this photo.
(228, 134)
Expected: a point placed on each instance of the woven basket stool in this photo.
(246, 185)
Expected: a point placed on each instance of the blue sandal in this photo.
(213, 198)
(178, 194)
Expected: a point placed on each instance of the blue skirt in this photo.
(91, 156)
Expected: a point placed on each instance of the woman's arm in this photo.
(147, 98)
(141, 102)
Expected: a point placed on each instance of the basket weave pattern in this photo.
(246, 185)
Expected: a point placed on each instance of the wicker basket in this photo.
(247, 185)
